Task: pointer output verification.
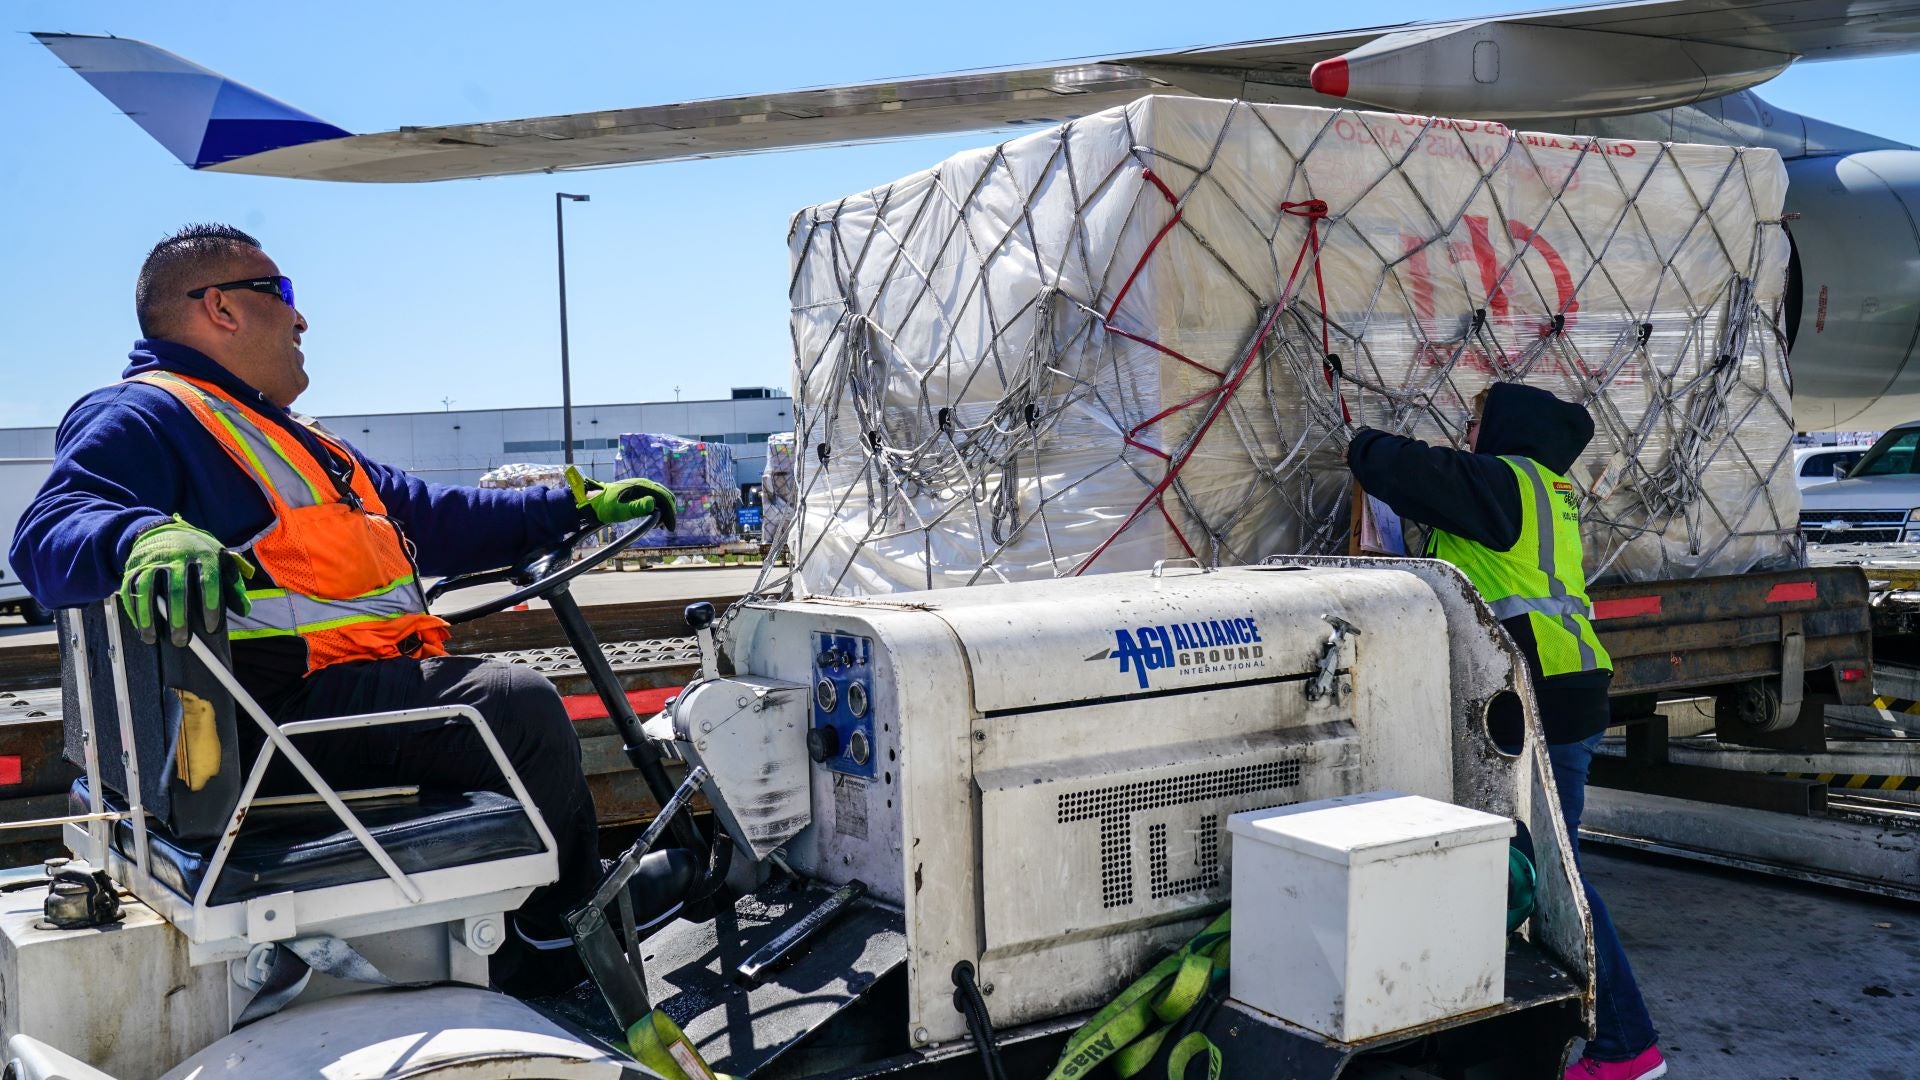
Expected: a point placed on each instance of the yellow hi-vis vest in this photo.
(1542, 576)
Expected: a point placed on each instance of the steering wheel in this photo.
(545, 571)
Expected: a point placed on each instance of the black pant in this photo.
(526, 716)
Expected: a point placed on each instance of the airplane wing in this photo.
(1598, 60)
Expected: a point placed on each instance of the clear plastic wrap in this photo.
(700, 475)
(1145, 335)
(525, 475)
(778, 496)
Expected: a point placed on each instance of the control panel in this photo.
(841, 737)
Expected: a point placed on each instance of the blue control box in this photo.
(843, 704)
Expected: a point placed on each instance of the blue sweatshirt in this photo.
(1476, 496)
(130, 456)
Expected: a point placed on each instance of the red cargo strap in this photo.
(1626, 608)
(1216, 399)
(1314, 210)
(645, 703)
(1788, 591)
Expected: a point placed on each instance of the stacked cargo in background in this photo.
(778, 496)
(1148, 334)
(525, 475)
(700, 475)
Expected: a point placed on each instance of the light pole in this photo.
(560, 199)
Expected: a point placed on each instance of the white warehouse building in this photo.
(459, 445)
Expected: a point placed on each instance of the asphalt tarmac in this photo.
(1758, 978)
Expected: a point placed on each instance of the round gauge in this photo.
(857, 699)
(825, 696)
(859, 747)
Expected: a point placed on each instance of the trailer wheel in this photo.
(1752, 706)
(36, 613)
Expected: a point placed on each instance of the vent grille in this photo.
(1115, 806)
(1207, 860)
(1852, 526)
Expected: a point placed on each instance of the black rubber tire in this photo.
(1752, 706)
(36, 613)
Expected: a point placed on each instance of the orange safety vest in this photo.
(340, 577)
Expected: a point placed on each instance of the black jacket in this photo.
(1477, 496)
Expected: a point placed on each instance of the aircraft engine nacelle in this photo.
(1853, 289)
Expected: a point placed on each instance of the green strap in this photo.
(1184, 1052)
(1196, 974)
(1120, 1031)
(657, 1042)
(1522, 883)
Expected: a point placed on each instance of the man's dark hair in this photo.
(177, 264)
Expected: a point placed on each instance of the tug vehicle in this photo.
(945, 827)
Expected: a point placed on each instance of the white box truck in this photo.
(20, 480)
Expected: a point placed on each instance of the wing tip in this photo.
(48, 37)
(201, 117)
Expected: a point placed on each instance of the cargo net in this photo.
(1149, 335)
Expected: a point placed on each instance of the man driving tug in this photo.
(193, 479)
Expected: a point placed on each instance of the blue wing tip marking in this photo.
(203, 117)
(227, 140)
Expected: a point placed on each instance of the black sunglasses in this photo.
(281, 287)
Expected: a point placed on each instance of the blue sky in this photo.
(677, 273)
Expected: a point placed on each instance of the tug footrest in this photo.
(1525, 1035)
(302, 847)
(742, 1030)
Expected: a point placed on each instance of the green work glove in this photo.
(622, 500)
(188, 559)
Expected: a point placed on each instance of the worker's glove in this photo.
(170, 561)
(622, 500)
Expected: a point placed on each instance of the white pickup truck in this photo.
(1878, 502)
(20, 480)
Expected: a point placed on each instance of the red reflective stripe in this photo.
(645, 702)
(9, 769)
(1621, 609)
(1793, 590)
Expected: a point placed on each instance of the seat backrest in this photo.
(186, 741)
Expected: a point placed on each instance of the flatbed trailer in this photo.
(1893, 583)
(1807, 771)
(1771, 648)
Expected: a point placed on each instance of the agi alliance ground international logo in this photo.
(1188, 648)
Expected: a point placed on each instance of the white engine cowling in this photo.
(1853, 293)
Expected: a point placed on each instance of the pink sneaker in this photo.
(1647, 1065)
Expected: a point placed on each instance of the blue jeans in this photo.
(1622, 1027)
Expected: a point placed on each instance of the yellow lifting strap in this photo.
(658, 1043)
(1131, 1028)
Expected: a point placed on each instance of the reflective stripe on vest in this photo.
(1510, 607)
(342, 582)
(1527, 579)
(279, 613)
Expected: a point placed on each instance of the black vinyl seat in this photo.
(295, 848)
